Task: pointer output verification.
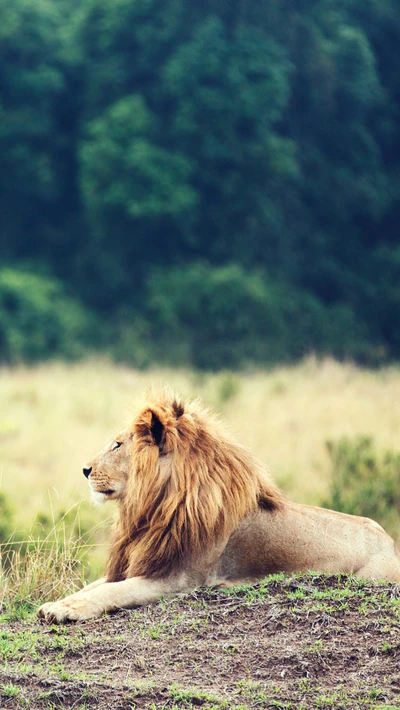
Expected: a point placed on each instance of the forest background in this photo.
(212, 184)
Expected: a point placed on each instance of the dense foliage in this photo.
(215, 182)
(36, 318)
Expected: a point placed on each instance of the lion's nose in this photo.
(86, 472)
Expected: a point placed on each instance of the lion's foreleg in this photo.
(110, 596)
(93, 585)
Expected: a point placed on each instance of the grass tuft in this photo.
(40, 569)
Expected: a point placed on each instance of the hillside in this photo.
(300, 642)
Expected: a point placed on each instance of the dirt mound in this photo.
(301, 642)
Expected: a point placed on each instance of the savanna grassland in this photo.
(55, 417)
(290, 642)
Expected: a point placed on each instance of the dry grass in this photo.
(54, 417)
(41, 568)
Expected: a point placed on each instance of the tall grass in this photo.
(50, 562)
(37, 570)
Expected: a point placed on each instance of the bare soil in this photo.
(302, 642)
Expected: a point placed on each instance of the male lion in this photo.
(196, 509)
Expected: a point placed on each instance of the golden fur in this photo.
(195, 508)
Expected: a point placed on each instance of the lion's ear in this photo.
(155, 424)
(149, 427)
(157, 429)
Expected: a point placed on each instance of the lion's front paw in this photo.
(68, 610)
(42, 610)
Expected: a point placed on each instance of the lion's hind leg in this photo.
(381, 568)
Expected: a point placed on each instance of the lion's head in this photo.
(182, 482)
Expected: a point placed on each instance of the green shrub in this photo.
(227, 317)
(37, 319)
(365, 482)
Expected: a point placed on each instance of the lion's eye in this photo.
(116, 445)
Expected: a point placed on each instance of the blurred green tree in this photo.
(228, 91)
(31, 82)
(131, 187)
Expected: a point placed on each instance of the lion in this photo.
(197, 509)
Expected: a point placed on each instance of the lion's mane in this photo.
(190, 485)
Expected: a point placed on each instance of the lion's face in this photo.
(108, 471)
